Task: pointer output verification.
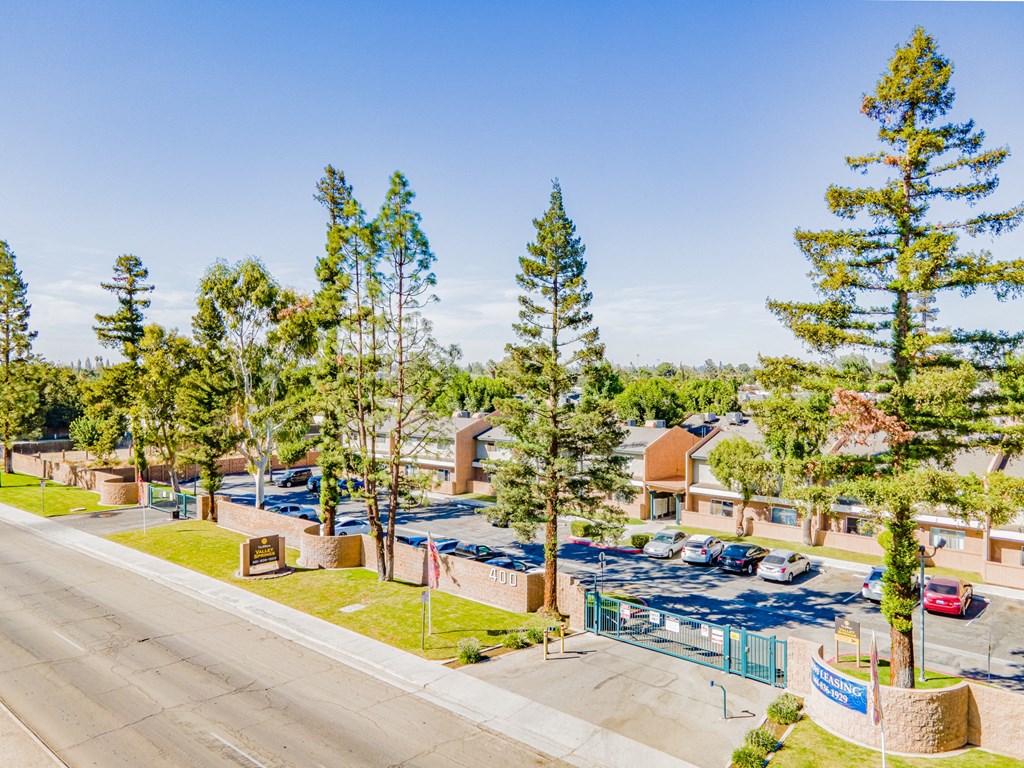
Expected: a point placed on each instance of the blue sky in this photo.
(690, 139)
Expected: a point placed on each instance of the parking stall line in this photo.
(848, 599)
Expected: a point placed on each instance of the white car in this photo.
(296, 510)
(665, 544)
(783, 565)
(702, 549)
(350, 526)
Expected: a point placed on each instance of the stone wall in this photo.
(316, 551)
(917, 721)
(994, 720)
(257, 522)
(115, 491)
(571, 599)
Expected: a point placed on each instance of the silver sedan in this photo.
(783, 565)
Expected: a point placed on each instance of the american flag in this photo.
(876, 701)
(433, 563)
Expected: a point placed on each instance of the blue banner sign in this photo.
(848, 693)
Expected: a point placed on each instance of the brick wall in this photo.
(1003, 575)
(116, 491)
(994, 719)
(850, 542)
(571, 599)
(316, 551)
(257, 522)
(704, 519)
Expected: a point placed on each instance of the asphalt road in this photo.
(806, 608)
(110, 669)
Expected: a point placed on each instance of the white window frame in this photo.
(955, 538)
(722, 504)
(794, 516)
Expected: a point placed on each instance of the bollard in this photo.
(545, 643)
(725, 714)
(561, 631)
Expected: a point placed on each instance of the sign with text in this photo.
(262, 555)
(847, 631)
(843, 691)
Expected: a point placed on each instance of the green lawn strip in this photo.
(829, 552)
(933, 679)
(166, 487)
(392, 612)
(634, 521)
(23, 492)
(809, 746)
(477, 497)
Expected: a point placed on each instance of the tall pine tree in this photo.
(562, 460)
(19, 393)
(874, 277)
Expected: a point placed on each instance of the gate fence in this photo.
(720, 646)
(177, 505)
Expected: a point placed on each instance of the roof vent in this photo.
(734, 417)
(656, 423)
(630, 422)
(710, 418)
(479, 415)
(460, 415)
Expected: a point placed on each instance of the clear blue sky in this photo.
(690, 140)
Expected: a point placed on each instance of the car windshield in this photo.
(775, 559)
(943, 589)
(665, 538)
(736, 551)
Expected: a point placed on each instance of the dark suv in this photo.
(294, 477)
(479, 552)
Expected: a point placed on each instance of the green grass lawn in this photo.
(809, 746)
(830, 552)
(392, 612)
(478, 497)
(186, 488)
(23, 492)
(933, 679)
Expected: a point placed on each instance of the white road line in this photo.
(228, 744)
(848, 599)
(69, 641)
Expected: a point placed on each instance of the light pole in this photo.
(922, 556)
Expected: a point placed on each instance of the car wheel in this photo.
(341, 533)
(789, 577)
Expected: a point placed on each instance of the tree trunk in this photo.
(213, 508)
(741, 526)
(551, 562)
(901, 655)
(175, 482)
(805, 524)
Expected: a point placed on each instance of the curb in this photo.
(606, 547)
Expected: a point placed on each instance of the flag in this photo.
(876, 701)
(433, 563)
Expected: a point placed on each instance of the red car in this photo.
(952, 596)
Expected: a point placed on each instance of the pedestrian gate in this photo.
(176, 504)
(720, 646)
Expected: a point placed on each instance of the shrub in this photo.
(516, 641)
(784, 710)
(638, 540)
(535, 635)
(469, 650)
(747, 757)
(761, 739)
(581, 529)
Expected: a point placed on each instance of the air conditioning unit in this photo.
(710, 418)
(734, 417)
(630, 422)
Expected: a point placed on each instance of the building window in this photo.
(784, 516)
(723, 508)
(623, 498)
(443, 475)
(954, 539)
(862, 526)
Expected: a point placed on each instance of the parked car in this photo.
(296, 510)
(872, 589)
(479, 552)
(665, 544)
(294, 477)
(742, 558)
(347, 486)
(413, 540)
(513, 564)
(945, 595)
(783, 565)
(313, 485)
(702, 548)
(350, 526)
(444, 546)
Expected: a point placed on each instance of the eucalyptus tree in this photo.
(19, 393)
(562, 456)
(895, 257)
(265, 342)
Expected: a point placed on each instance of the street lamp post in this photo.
(922, 556)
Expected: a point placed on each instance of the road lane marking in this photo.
(848, 599)
(69, 641)
(228, 744)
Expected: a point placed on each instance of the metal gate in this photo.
(177, 505)
(720, 646)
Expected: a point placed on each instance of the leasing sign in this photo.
(843, 691)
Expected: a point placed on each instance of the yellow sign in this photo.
(847, 631)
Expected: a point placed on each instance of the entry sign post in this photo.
(847, 631)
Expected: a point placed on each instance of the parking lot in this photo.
(806, 608)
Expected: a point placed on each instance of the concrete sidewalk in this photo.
(558, 726)
(20, 747)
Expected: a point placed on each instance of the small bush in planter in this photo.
(639, 540)
(761, 739)
(516, 641)
(535, 635)
(469, 650)
(785, 710)
(747, 757)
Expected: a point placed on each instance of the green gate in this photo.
(720, 646)
(177, 505)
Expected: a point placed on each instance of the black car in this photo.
(294, 477)
(479, 552)
(313, 486)
(513, 564)
(741, 558)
